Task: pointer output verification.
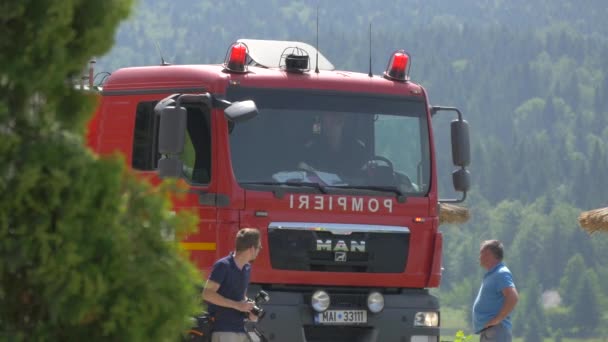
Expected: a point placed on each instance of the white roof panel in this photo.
(268, 53)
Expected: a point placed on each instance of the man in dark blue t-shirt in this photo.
(226, 288)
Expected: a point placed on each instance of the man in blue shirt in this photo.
(226, 289)
(497, 296)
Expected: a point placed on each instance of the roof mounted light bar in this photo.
(398, 67)
(236, 58)
(295, 59)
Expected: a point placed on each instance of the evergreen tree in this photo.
(472, 295)
(532, 307)
(554, 259)
(570, 280)
(529, 314)
(559, 336)
(81, 251)
(532, 333)
(519, 318)
(586, 313)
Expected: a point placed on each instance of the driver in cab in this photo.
(332, 149)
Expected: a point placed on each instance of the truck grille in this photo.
(338, 247)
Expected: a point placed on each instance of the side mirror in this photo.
(170, 167)
(461, 180)
(461, 153)
(461, 150)
(173, 123)
(241, 111)
(172, 130)
(171, 138)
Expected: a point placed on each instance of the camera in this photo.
(260, 298)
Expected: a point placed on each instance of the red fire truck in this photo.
(336, 169)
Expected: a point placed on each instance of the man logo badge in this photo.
(340, 257)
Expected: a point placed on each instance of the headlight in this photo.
(320, 301)
(426, 319)
(375, 302)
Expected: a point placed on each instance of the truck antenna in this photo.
(162, 60)
(370, 51)
(317, 47)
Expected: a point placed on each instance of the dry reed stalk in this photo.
(453, 214)
(594, 220)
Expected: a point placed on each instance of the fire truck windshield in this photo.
(335, 140)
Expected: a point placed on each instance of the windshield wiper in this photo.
(317, 186)
(400, 196)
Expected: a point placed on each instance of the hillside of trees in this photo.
(532, 80)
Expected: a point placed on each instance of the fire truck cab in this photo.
(335, 168)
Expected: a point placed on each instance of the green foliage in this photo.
(45, 42)
(571, 279)
(586, 300)
(558, 319)
(82, 250)
(461, 337)
(533, 330)
(82, 255)
(460, 294)
(558, 336)
(529, 320)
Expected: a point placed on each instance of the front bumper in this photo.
(290, 317)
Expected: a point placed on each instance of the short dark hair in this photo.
(495, 247)
(247, 238)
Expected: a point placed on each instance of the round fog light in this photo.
(426, 319)
(375, 302)
(320, 301)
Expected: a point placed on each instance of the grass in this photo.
(475, 338)
(453, 320)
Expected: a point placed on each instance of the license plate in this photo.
(341, 317)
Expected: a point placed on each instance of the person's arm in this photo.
(210, 295)
(511, 298)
